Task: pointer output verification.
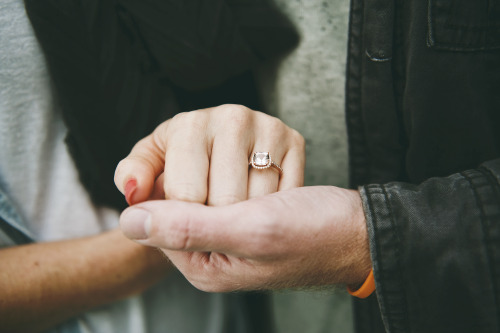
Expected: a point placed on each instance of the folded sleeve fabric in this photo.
(436, 251)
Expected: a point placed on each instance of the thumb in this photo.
(184, 226)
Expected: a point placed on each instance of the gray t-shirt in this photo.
(38, 174)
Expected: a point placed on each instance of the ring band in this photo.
(262, 160)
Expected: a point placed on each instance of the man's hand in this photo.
(202, 156)
(309, 236)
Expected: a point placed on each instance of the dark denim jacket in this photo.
(423, 113)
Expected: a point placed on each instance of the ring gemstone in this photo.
(261, 159)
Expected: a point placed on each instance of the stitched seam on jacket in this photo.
(391, 322)
(484, 226)
(371, 315)
(359, 164)
(370, 191)
(398, 256)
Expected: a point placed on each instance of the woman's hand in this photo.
(203, 156)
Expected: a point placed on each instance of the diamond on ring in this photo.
(262, 160)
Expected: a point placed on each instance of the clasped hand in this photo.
(223, 226)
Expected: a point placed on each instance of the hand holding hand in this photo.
(308, 236)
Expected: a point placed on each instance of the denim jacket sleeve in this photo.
(435, 250)
(13, 230)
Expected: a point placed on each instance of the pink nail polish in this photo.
(130, 188)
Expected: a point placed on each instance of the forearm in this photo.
(44, 284)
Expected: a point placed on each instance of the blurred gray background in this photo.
(306, 91)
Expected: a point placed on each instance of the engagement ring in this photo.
(262, 160)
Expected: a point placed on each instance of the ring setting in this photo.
(262, 160)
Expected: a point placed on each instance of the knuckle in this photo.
(274, 127)
(143, 166)
(297, 139)
(235, 116)
(148, 146)
(223, 200)
(159, 136)
(233, 108)
(180, 234)
(188, 122)
(185, 192)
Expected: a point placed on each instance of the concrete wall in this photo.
(306, 90)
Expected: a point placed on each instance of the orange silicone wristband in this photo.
(366, 289)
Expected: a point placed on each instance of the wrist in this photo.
(362, 284)
(125, 268)
(360, 260)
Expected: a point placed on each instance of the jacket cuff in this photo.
(435, 249)
(384, 251)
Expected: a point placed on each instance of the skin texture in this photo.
(203, 157)
(297, 237)
(44, 284)
(200, 157)
(310, 236)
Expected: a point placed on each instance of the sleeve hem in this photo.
(386, 258)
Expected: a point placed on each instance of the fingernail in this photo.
(130, 188)
(136, 223)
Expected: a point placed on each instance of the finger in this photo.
(136, 174)
(228, 176)
(187, 159)
(176, 225)
(158, 193)
(271, 139)
(293, 165)
(262, 181)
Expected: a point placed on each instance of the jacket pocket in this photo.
(464, 25)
